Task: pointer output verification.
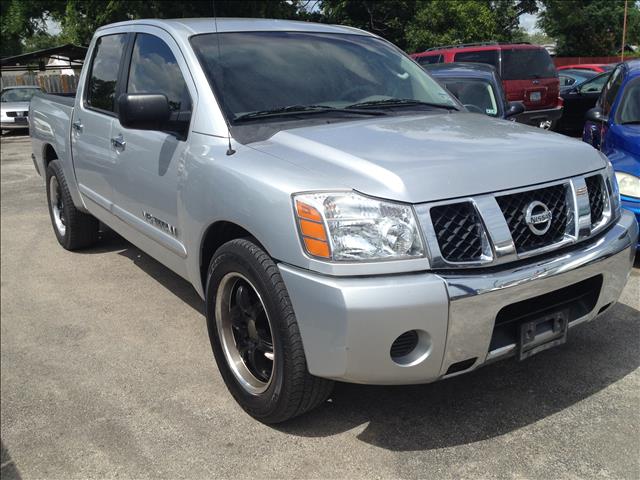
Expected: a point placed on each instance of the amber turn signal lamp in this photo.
(314, 235)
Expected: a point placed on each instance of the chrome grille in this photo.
(515, 205)
(597, 197)
(458, 229)
(491, 229)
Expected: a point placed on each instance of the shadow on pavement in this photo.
(487, 403)
(8, 469)
(110, 241)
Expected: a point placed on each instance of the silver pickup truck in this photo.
(341, 214)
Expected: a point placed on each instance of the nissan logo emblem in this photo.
(538, 217)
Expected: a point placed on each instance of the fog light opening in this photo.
(410, 348)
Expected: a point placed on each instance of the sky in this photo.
(528, 22)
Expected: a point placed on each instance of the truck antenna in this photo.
(230, 150)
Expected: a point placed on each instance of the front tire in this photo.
(255, 337)
(73, 228)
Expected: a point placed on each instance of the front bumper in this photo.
(535, 117)
(349, 324)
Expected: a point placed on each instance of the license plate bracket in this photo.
(542, 333)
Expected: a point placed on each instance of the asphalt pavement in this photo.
(106, 371)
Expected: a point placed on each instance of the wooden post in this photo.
(624, 31)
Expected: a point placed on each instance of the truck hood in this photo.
(431, 157)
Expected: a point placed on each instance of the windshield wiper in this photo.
(394, 102)
(631, 122)
(305, 109)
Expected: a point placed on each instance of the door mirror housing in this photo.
(144, 111)
(595, 115)
(513, 109)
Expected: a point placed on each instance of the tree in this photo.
(23, 22)
(387, 18)
(415, 25)
(589, 27)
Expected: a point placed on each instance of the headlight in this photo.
(345, 226)
(629, 184)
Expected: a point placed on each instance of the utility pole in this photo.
(624, 31)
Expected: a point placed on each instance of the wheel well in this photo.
(217, 235)
(49, 154)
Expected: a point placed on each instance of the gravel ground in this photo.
(107, 372)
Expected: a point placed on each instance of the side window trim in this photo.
(86, 90)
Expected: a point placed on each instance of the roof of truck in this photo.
(195, 26)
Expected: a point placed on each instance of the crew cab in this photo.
(527, 71)
(342, 215)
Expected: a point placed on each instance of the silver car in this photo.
(340, 213)
(14, 106)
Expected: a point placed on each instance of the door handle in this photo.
(77, 126)
(118, 142)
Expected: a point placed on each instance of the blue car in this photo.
(613, 126)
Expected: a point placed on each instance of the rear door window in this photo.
(527, 64)
(429, 59)
(482, 56)
(105, 66)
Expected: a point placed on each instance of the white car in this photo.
(15, 106)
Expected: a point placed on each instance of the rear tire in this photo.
(73, 228)
(255, 337)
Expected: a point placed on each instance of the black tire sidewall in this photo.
(54, 170)
(229, 260)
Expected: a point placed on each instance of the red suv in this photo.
(527, 71)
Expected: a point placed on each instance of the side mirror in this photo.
(596, 115)
(143, 111)
(514, 108)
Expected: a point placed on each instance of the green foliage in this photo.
(387, 18)
(582, 27)
(415, 25)
(20, 20)
(23, 26)
(589, 27)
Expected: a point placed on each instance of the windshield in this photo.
(527, 64)
(271, 71)
(18, 94)
(476, 94)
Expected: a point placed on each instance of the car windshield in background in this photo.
(18, 94)
(289, 74)
(474, 92)
(527, 64)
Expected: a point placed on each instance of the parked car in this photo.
(527, 72)
(14, 106)
(613, 126)
(593, 67)
(577, 101)
(571, 78)
(477, 86)
(342, 215)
